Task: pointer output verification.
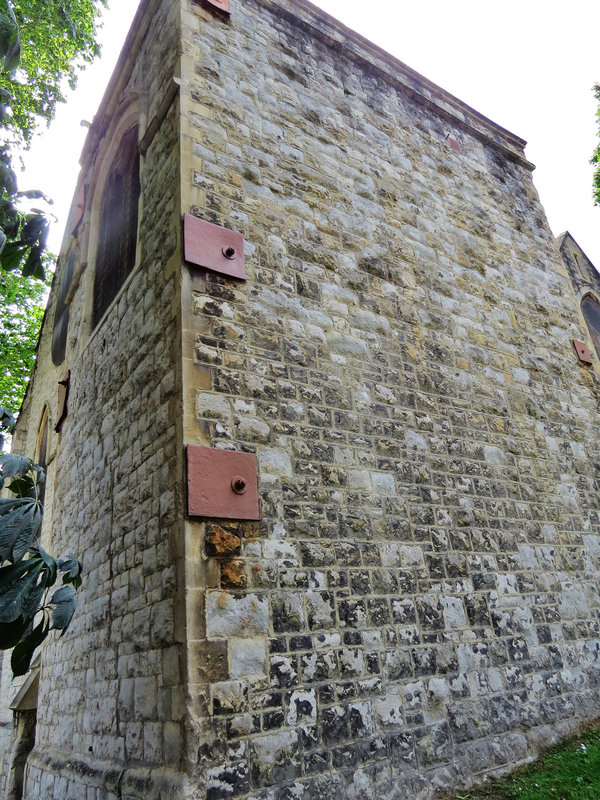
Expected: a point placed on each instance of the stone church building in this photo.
(317, 392)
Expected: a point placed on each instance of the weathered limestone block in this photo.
(231, 616)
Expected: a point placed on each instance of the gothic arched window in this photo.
(591, 312)
(117, 234)
(61, 314)
(42, 454)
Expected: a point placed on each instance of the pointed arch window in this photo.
(61, 313)
(590, 309)
(42, 454)
(117, 235)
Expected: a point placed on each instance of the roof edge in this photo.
(329, 29)
(568, 236)
(119, 76)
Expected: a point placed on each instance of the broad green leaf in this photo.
(23, 652)
(34, 229)
(11, 220)
(50, 562)
(12, 632)
(7, 420)
(12, 466)
(22, 596)
(18, 467)
(64, 602)
(28, 532)
(12, 572)
(9, 503)
(23, 487)
(19, 527)
(32, 600)
(12, 255)
(72, 567)
(75, 581)
(33, 266)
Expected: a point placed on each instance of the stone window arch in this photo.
(590, 308)
(41, 452)
(117, 217)
(61, 313)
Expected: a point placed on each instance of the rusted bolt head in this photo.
(239, 485)
(229, 252)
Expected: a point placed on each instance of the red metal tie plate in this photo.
(222, 5)
(222, 483)
(454, 144)
(210, 246)
(582, 350)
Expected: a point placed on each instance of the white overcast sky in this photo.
(528, 65)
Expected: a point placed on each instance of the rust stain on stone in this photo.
(221, 543)
(222, 601)
(252, 530)
(233, 575)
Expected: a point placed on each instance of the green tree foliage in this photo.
(22, 303)
(596, 157)
(28, 608)
(43, 44)
(49, 40)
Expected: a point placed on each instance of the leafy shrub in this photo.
(27, 572)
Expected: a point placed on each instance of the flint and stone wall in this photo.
(419, 604)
